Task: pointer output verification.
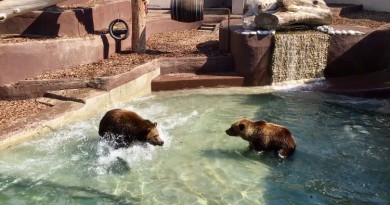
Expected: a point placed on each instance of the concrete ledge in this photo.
(37, 88)
(108, 83)
(181, 81)
(23, 60)
(196, 64)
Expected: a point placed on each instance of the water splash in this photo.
(136, 154)
(109, 157)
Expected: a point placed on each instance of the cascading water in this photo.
(299, 55)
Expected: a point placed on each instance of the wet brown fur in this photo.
(264, 136)
(130, 126)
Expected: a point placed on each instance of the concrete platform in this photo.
(25, 89)
(179, 81)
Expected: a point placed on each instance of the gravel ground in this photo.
(12, 111)
(172, 44)
(188, 43)
(364, 18)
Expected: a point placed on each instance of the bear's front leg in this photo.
(283, 153)
(251, 147)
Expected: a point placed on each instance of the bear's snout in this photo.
(230, 132)
(156, 142)
(160, 143)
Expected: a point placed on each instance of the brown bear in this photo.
(264, 136)
(123, 127)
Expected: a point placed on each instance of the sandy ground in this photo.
(172, 44)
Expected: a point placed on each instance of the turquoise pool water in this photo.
(342, 156)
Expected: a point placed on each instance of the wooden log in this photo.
(11, 8)
(138, 25)
(290, 12)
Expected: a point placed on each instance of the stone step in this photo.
(208, 27)
(76, 95)
(178, 81)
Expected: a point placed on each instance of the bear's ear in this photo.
(241, 126)
(244, 117)
(155, 124)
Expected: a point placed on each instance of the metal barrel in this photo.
(187, 10)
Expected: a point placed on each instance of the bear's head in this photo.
(153, 136)
(243, 128)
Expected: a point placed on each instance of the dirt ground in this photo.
(173, 44)
(189, 43)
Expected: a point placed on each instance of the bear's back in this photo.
(271, 136)
(281, 137)
(121, 122)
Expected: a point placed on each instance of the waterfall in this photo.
(299, 55)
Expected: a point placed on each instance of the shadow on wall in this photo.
(368, 55)
(48, 23)
(44, 25)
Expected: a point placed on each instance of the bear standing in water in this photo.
(123, 127)
(263, 136)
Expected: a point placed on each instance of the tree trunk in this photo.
(138, 31)
(11, 8)
(308, 12)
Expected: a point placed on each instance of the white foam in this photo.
(148, 112)
(137, 153)
(132, 155)
(58, 138)
(172, 122)
(298, 84)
